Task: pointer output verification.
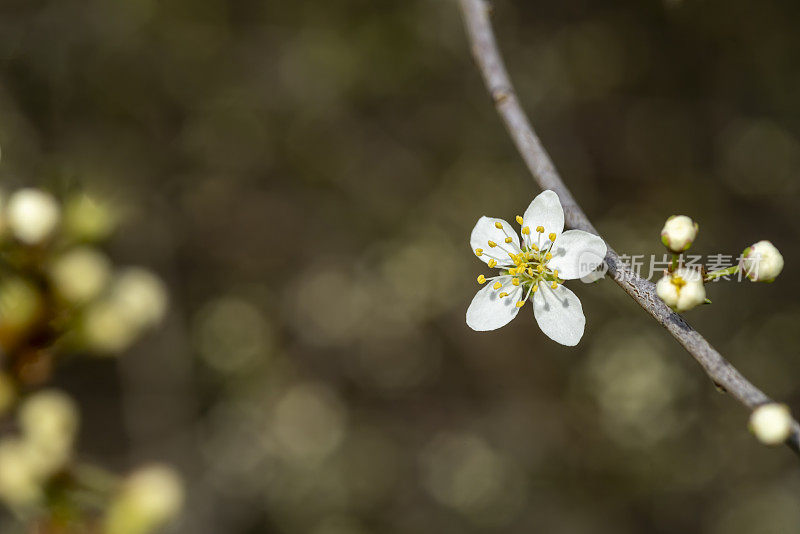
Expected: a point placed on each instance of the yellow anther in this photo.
(554, 285)
(535, 288)
(498, 225)
(492, 263)
(552, 236)
(497, 285)
(548, 257)
(492, 244)
(515, 281)
(519, 219)
(481, 279)
(526, 230)
(555, 273)
(503, 294)
(540, 268)
(478, 251)
(540, 229)
(534, 247)
(509, 240)
(520, 304)
(530, 272)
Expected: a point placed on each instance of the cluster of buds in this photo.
(59, 292)
(683, 287)
(61, 295)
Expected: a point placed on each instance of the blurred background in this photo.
(304, 177)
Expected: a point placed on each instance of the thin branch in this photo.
(484, 48)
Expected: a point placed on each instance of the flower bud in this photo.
(80, 274)
(771, 423)
(20, 485)
(679, 233)
(88, 218)
(682, 290)
(49, 423)
(107, 328)
(149, 498)
(32, 215)
(762, 262)
(142, 295)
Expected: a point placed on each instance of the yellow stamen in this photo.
(526, 230)
(515, 281)
(540, 229)
(509, 240)
(492, 244)
(498, 225)
(530, 272)
(503, 294)
(552, 236)
(497, 285)
(520, 304)
(481, 279)
(554, 285)
(535, 288)
(555, 273)
(478, 251)
(534, 247)
(548, 256)
(492, 263)
(540, 268)
(519, 219)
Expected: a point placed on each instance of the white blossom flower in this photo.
(537, 265)
(150, 497)
(762, 262)
(679, 233)
(80, 274)
(682, 290)
(771, 423)
(32, 215)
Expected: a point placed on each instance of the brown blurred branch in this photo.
(486, 53)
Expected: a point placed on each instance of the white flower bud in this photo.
(682, 290)
(142, 295)
(771, 423)
(107, 328)
(149, 498)
(49, 422)
(20, 485)
(81, 274)
(32, 215)
(679, 233)
(762, 262)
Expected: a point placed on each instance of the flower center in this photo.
(530, 261)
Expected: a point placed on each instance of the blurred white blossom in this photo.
(32, 215)
(149, 497)
(80, 274)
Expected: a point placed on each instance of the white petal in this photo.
(489, 312)
(545, 210)
(576, 254)
(559, 314)
(485, 231)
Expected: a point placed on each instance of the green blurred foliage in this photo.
(306, 174)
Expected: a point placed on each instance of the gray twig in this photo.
(484, 48)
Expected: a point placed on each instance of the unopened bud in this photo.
(81, 274)
(762, 262)
(32, 215)
(682, 290)
(679, 233)
(771, 423)
(149, 498)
